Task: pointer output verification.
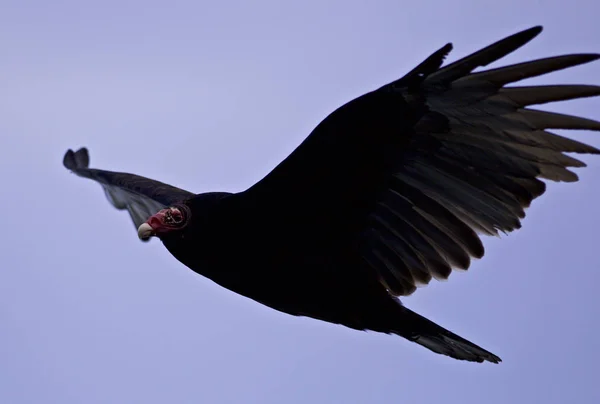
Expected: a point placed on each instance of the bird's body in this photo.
(387, 192)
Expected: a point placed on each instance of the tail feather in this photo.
(417, 328)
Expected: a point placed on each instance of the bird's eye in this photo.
(177, 217)
(174, 216)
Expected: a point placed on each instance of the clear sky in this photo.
(211, 96)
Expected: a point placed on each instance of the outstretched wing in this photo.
(413, 172)
(140, 196)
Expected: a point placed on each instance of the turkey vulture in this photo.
(392, 189)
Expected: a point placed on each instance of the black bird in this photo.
(389, 191)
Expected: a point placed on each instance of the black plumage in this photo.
(389, 191)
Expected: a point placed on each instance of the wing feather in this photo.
(420, 168)
(485, 164)
(534, 95)
(141, 197)
(521, 71)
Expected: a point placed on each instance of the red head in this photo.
(164, 222)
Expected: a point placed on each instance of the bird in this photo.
(392, 189)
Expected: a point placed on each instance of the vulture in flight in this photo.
(390, 190)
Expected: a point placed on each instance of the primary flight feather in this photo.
(389, 191)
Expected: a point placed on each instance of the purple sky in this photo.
(211, 96)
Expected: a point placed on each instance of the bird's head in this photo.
(166, 222)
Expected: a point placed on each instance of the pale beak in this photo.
(145, 231)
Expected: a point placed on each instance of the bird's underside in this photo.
(391, 190)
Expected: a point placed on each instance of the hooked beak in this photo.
(152, 226)
(145, 231)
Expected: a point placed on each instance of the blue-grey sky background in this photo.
(211, 96)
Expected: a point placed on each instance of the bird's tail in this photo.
(439, 340)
